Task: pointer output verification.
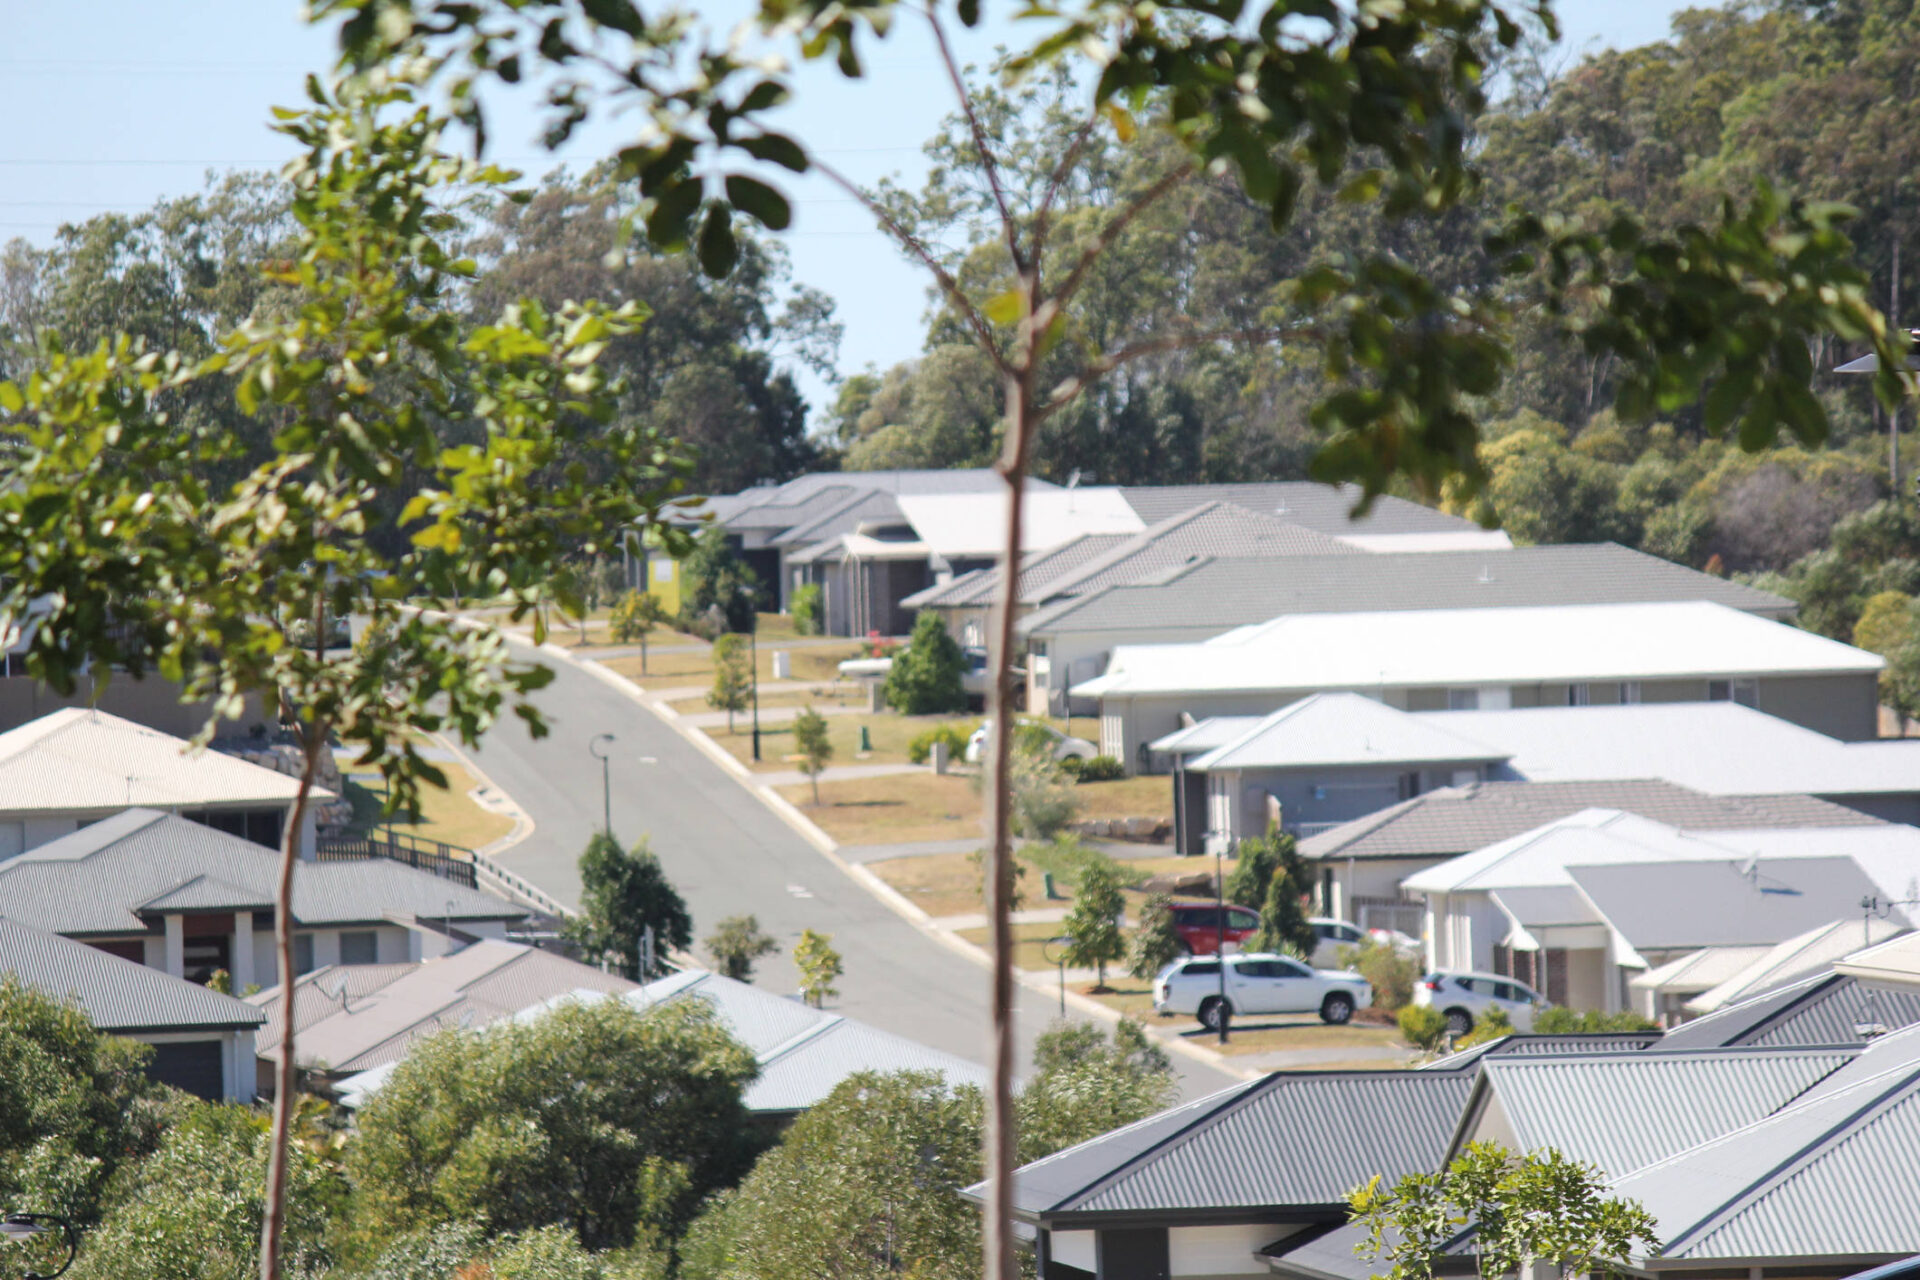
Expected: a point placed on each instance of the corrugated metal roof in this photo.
(1454, 820)
(803, 1073)
(1818, 1010)
(116, 994)
(78, 759)
(1230, 591)
(1623, 1112)
(97, 880)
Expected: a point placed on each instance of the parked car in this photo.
(1465, 997)
(865, 668)
(1064, 748)
(1330, 936)
(1258, 983)
(1198, 924)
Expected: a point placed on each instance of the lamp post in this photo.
(1224, 1010)
(1055, 950)
(753, 664)
(21, 1227)
(606, 780)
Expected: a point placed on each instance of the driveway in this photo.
(729, 855)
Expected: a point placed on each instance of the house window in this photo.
(1579, 695)
(1463, 699)
(359, 946)
(302, 953)
(1629, 692)
(1744, 691)
(1409, 785)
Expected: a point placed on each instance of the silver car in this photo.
(1258, 983)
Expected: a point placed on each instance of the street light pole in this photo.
(753, 660)
(1220, 927)
(606, 780)
(20, 1227)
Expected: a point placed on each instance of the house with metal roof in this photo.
(1360, 864)
(187, 899)
(202, 1040)
(354, 1018)
(1486, 659)
(1227, 588)
(75, 766)
(1827, 1008)
(1580, 906)
(1712, 978)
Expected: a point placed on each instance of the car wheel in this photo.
(1459, 1022)
(1210, 1012)
(1337, 1009)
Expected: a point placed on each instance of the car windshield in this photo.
(1202, 968)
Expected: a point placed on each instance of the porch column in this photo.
(240, 954)
(176, 946)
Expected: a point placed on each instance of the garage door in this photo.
(194, 1067)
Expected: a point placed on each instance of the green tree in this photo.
(812, 745)
(192, 1210)
(819, 965)
(925, 676)
(623, 893)
(634, 619)
(1093, 924)
(864, 1186)
(713, 575)
(732, 676)
(737, 943)
(1256, 861)
(470, 1127)
(1524, 1210)
(1889, 626)
(804, 605)
(89, 1108)
(1156, 943)
(404, 457)
(1086, 1085)
(1283, 917)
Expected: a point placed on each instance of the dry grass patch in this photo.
(451, 816)
(1147, 796)
(888, 735)
(907, 808)
(1029, 945)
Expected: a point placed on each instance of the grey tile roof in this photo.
(1326, 508)
(1623, 1112)
(1822, 1009)
(1291, 1140)
(356, 1017)
(1454, 820)
(98, 879)
(727, 508)
(116, 995)
(862, 506)
(1038, 571)
(1220, 594)
(1657, 906)
(1344, 729)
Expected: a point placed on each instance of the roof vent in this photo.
(1486, 575)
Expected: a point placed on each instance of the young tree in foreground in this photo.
(819, 965)
(623, 893)
(1369, 104)
(732, 678)
(1093, 925)
(813, 746)
(737, 943)
(411, 460)
(1522, 1210)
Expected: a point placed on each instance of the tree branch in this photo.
(982, 331)
(987, 165)
(1058, 180)
(1109, 233)
(1067, 390)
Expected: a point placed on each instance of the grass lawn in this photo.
(1273, 1033)
(450, 815)
(948, 884)
(902, 808)
(841, 694)
(1029, 951)
(821, 663)
(889, 735)
(1147, 796)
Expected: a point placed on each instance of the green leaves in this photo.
(754, 197)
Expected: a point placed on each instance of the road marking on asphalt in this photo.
(799, 891)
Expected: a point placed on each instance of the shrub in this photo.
(1489, 1026)
(1424, 1027)
(926, 679)
(920, 746)
(1098, 769)
(1072, 766)
(805, 607)
(1387, 970)
(1043, 803)
(1567, 1022)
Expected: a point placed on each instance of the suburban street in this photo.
(729, 855)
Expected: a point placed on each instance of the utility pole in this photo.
(1893, 414)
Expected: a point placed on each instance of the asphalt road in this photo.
(729, 855)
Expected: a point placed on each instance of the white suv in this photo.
(1258, 984)
(1064, 748)
(1464, 997)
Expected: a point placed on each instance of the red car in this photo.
(1198, 924)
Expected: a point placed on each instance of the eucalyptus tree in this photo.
(117, 555)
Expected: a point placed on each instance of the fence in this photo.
(449, 862)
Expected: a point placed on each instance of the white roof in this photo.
(1342, 729)
(1721, 748)
(1798, 957)
(974, 524)
(1441, 540)
(1698, 971)
(1205, 735)
(1888, 854)
(1892, 964)
(78, 760)
(1462, 647)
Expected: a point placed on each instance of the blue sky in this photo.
(111, 104)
